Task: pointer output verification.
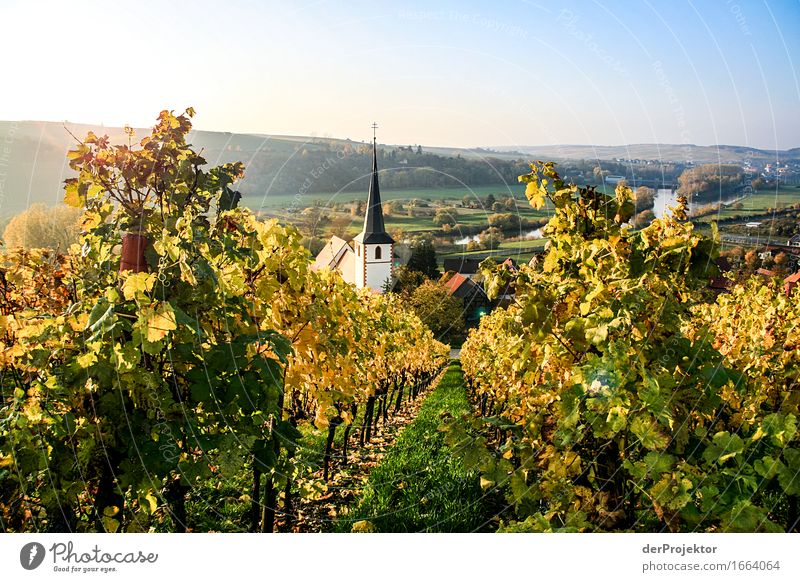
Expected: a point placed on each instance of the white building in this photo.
(367, 260)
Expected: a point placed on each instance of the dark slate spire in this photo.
(374, 230)
(373, 221)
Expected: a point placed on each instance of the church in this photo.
(367, 260)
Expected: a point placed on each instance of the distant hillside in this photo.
(33, 162)
(680, 153)
(34, 166)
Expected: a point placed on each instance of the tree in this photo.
(781, 263)
(313, 244)
(406, 280)
(398, 234)
(751, 261)
(441, 312)
(43, 227)
(644, 218)
(490, 200)
(393, 207)
(340, 225)
(444, 216)
(645, 198)
(312, 219)
(709, 178)
(506, 221)
(735, 255)
(599, 173)
(491, 237)
(357, 209)
(423, 258)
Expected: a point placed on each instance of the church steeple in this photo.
(374, 229)
(368, 260)
(373, 246)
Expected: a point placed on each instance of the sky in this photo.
(460, 74)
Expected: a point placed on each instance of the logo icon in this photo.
(31, 555)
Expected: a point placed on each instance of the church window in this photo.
(377, 253)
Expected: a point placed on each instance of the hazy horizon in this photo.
(365, 140)
(464, 75)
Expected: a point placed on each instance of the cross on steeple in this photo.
(374, 127)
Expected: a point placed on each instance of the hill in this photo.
(33, 162)
(680, 153)
(34, 165)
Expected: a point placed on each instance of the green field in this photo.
(758, 203)
(272, 201)
(288, 208)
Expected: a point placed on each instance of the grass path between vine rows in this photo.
(220, 510)
(348, 478)
(420, 485)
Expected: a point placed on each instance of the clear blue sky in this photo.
(446, 73)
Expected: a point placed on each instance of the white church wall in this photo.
(377, 270)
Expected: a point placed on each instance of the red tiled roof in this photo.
(454, 282)
(793, 278)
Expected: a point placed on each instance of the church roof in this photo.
(331, 253)
(339, 256)
(346, 265)
(374, 229)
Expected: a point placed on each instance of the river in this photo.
(530, 235)
(666, 198)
